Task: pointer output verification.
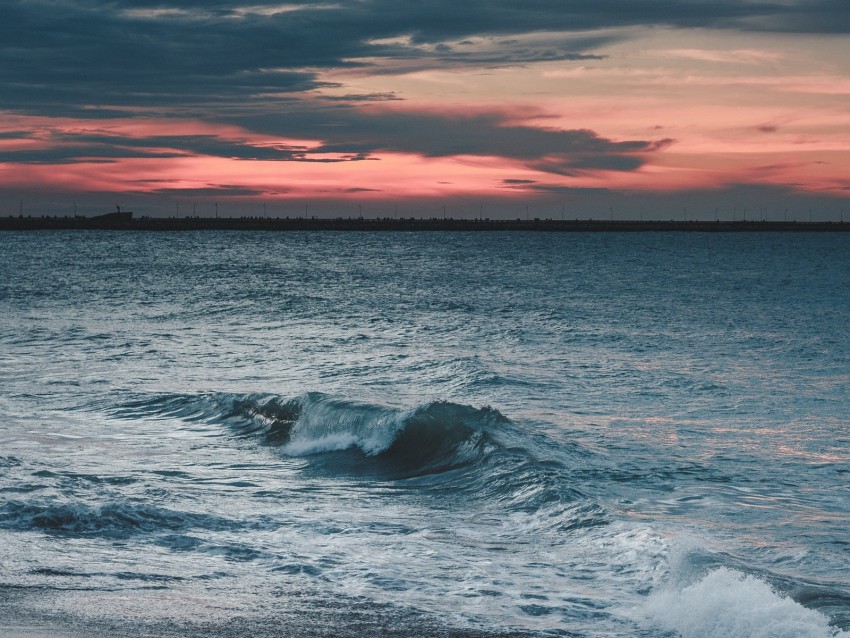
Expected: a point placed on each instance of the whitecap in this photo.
(730, 604)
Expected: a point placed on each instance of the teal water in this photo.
(425, 434)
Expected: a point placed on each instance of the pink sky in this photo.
(661, 116)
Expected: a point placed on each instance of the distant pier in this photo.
(126, 221)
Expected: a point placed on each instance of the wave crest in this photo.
(438, 432)
(430, 437)
(445, 447)
(726, 603)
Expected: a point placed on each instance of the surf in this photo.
(437, 447)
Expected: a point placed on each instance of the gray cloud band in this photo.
(199, 54)
(254, 64)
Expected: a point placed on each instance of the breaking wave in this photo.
(440, 434)
(441, 446)
(726, 603)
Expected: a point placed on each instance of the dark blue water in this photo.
(437, 434)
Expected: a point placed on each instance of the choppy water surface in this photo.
(439, 434)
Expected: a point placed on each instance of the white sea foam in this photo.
(330, 443)
(729, 604)
(329, 425)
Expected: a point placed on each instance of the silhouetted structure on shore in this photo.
(125, 221)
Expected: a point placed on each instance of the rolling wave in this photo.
(440, 447)
(439, 433)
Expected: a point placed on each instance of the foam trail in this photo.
(729, 604)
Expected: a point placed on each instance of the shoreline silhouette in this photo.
(126, 221)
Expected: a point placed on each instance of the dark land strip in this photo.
(126, 221)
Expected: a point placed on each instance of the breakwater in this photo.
(128, 222)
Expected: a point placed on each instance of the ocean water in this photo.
(424, 434)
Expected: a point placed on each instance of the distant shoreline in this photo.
(124, 221)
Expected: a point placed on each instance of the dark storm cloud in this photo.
(357, 133)
(482, 134)
(252, 64)
(58, 55)
(353, 135)
(817, 16)
(75, 153)
(66, 148)
(16, 135)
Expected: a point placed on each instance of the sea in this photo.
(484, 434)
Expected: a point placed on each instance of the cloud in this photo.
(346, 134)
(736, 56)
(554, 189)
(363, 97)
(203, 55)
(63, 147)
(265, 70)
(221, 190)
(359, 132)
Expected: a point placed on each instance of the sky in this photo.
(654, 109)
